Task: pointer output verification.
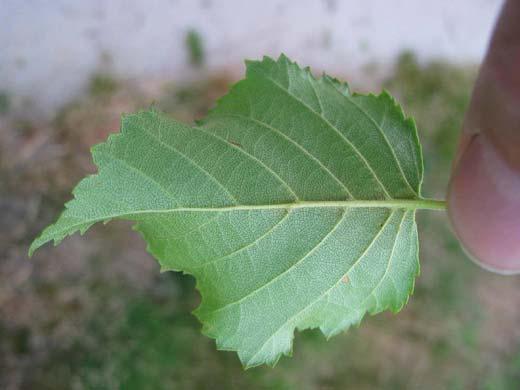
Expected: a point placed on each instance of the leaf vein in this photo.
(254, 158)
(193, 162)
(299, 146)
(336, 130)
(249, 245)
(316, 247)
(376, 236)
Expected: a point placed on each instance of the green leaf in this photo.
(293, 205)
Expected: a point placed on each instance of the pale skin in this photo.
(484, 192)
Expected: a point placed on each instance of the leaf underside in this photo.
(275, 202)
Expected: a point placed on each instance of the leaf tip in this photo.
(32, 248)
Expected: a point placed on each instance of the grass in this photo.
(102, 85)
(195, 48)
(5, 102)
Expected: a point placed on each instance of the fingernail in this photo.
(484, 207)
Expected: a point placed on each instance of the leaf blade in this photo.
(292, 204)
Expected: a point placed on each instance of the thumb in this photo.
(484, 192)
(484, 206)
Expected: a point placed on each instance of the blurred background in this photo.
(95, 313)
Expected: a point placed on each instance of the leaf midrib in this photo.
(406, 204)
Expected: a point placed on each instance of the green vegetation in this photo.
(102, 85)
(5, 102)
(195, 48)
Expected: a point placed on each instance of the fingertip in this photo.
(484, 207)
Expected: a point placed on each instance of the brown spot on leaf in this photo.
(345, 279)
(234, 143)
